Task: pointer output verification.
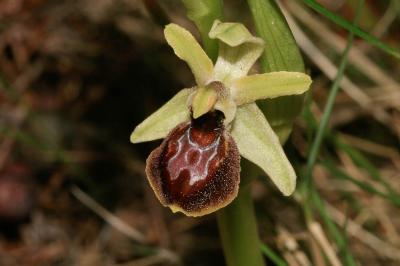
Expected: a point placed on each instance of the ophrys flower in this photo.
(196, 168)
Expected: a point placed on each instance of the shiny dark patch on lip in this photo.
(191, 157)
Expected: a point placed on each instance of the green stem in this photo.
(203, 13)
(238, 230)
(238, 225)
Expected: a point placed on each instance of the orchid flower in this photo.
(196, 169)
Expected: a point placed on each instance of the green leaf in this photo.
(188, 49)
(328, 109)
(203, 101)
(203, 13)
(352, 28)
(278, 261)
(337, 173)
(258, 143)
(238, 50)
(269, 85)
(281, 54)
(161, 122)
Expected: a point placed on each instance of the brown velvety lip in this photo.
(196, 168)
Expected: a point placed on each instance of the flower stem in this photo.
(238, 230)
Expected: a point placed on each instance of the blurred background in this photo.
(76, 77)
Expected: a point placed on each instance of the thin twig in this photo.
(110, 218)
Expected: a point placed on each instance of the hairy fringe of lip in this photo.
(184, 178)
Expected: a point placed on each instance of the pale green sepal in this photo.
(188, 49)
(238, 50)
(161, 122)
(258, 143)
(232, 34)
(269, 85)
(203, 101)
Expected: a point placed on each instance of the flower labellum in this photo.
(196, 168)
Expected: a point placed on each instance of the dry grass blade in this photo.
(294, 256)
(379, 210)
(319, 235)
(381, 247)
(356, 56)
(387, 99)
(110, 218)
(373, 148)
(159, 259)
(382, 26)
(330, 70)
(357, 173)
(162, 255)
(317, 254)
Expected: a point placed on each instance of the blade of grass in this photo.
(269, 253)
(352, 28)
(362, 161)
(336, 172)
(357, 156)
(339, 237)
(311, 194)
(312, 157)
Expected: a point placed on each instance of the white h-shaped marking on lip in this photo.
(205, 158)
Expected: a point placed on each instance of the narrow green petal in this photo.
(188, 49)
(203, 101)
(239, 50)
(161, 122)
(258, 143)
(269, 85)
